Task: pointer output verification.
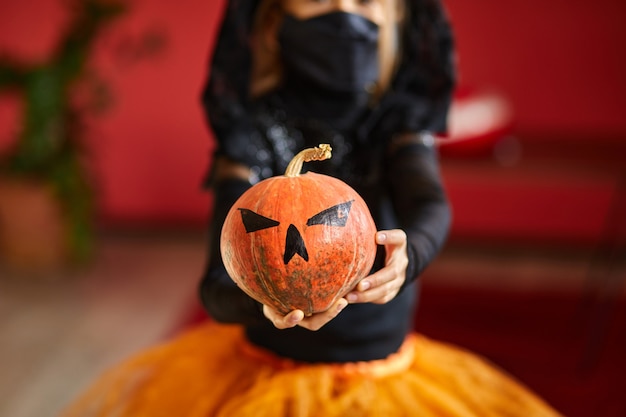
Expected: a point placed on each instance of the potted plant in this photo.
(46, 196)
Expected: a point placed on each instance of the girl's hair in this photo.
(266, 65)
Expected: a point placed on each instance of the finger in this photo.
(293, 318)
(395, 244)
(391, 237)
(371, 288)
(382, 294)
(287, 321)
(317, 321)
(368, 286)
(378, 278)
(379, 294)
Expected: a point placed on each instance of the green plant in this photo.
(57, 95)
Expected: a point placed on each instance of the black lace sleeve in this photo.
(221, 297)
(420, 203)
(225, 97)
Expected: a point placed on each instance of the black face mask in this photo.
(336, 51)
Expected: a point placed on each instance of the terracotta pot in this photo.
(32, 229)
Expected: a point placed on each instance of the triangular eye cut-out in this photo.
(334, 216)
(253, 221)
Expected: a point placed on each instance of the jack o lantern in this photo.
(299, 241)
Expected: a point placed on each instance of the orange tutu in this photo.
(212, 371)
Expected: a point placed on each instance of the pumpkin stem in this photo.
(318, 153)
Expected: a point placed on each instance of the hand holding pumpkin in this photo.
(383, 285)
(297, 317)
(378, 288)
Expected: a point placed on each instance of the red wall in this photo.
(560, 63)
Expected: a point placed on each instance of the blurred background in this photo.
(532, 277)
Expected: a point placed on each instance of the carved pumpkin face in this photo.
(298, 242)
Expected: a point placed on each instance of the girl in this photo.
(374, 79)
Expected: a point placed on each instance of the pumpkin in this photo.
(299, 241)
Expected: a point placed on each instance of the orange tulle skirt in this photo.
(212, 371)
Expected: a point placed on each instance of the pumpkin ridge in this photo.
(269, 285)
(301, 281)
(298, 288)
(354, 267)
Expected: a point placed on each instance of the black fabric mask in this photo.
(336, 51)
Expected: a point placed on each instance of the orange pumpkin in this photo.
(299, 241)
